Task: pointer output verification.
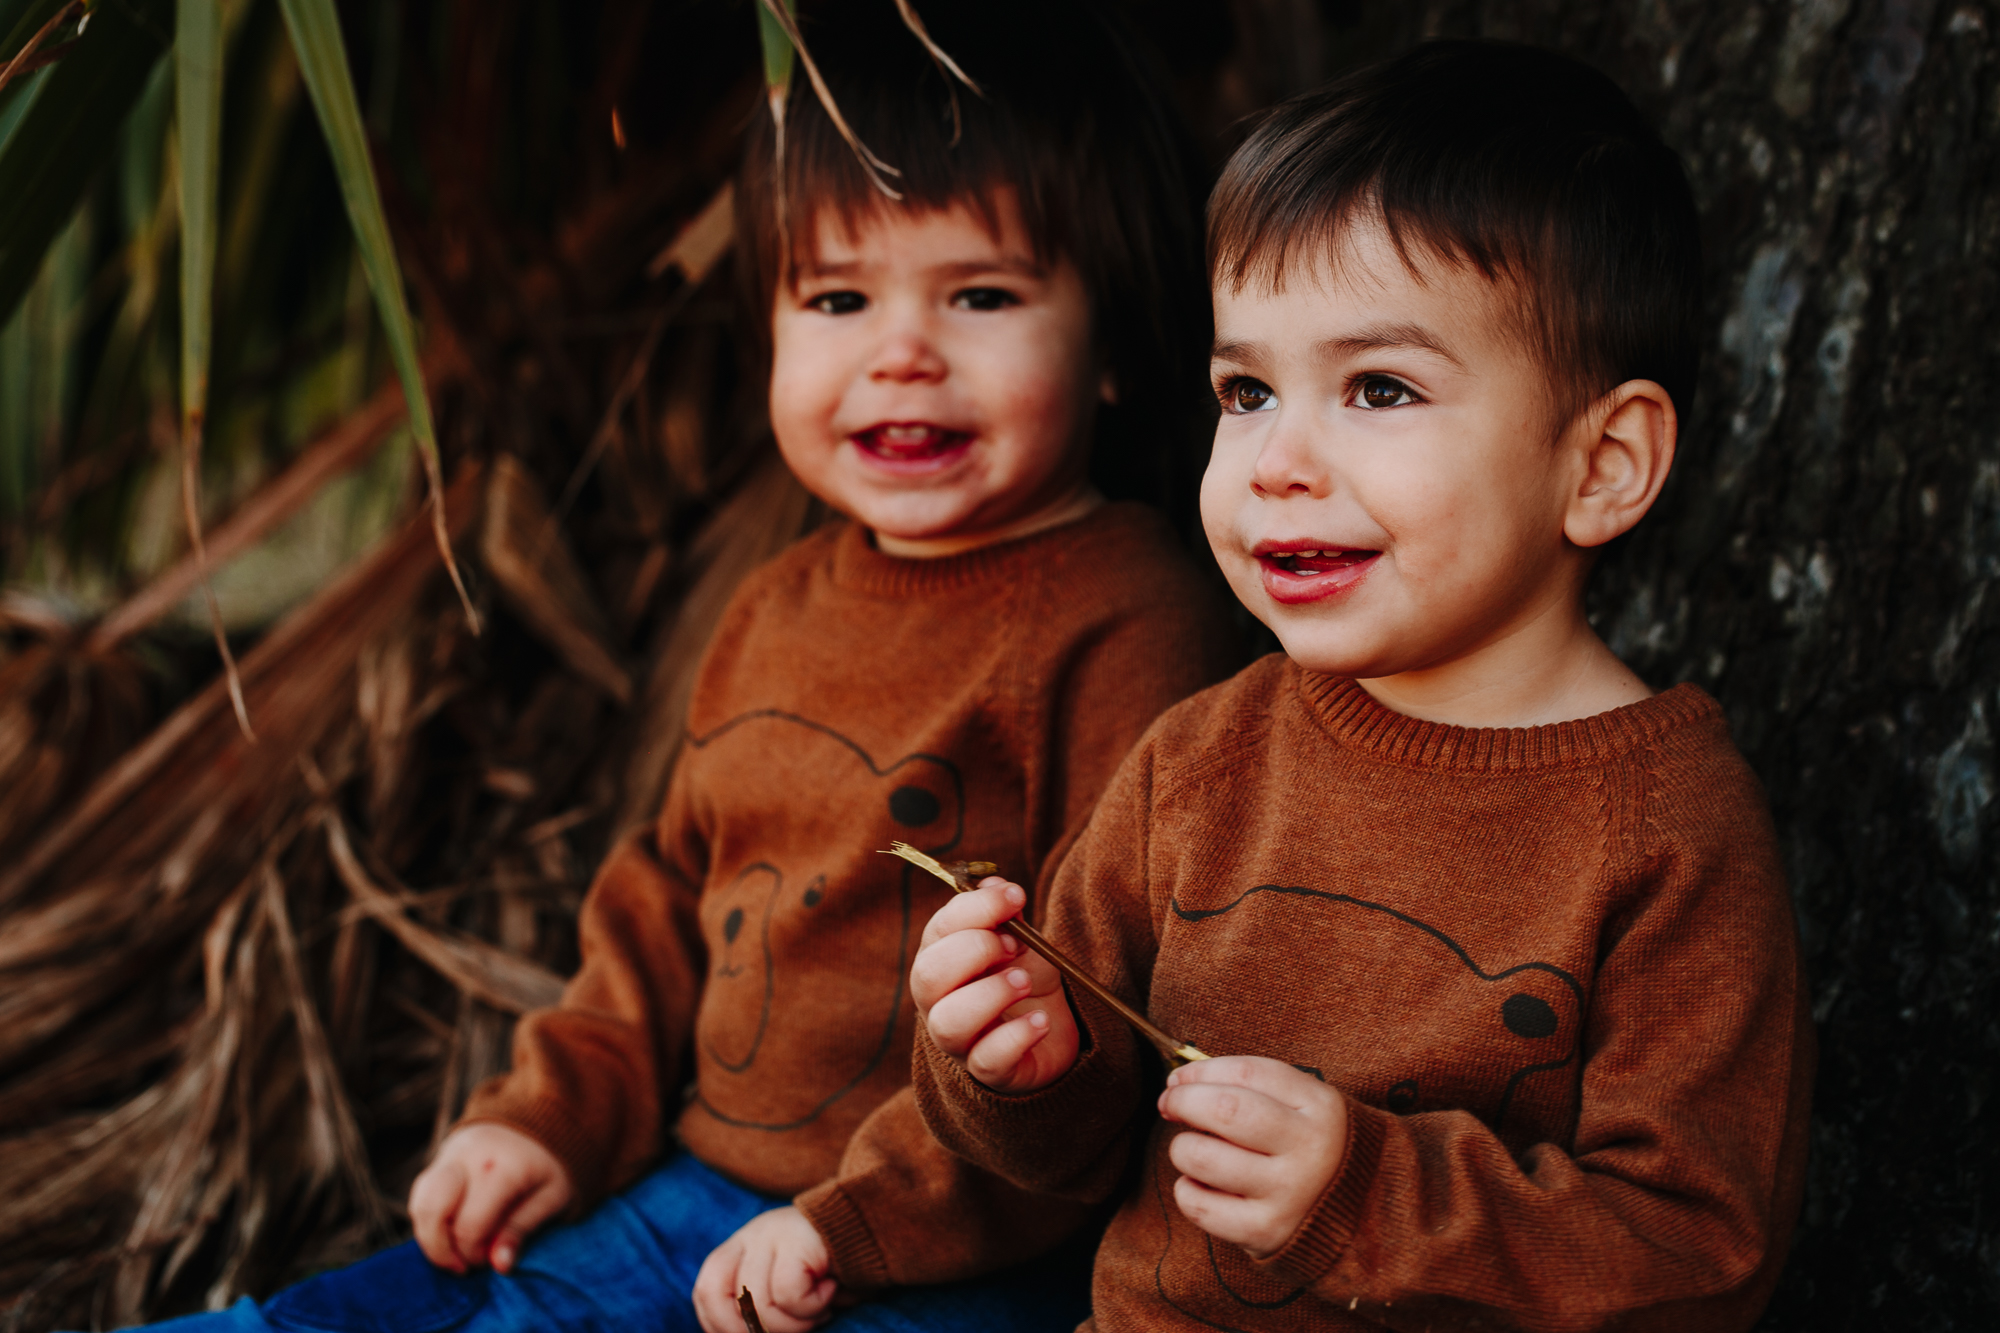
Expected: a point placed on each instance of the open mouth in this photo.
(1309, 573)
(911, 442)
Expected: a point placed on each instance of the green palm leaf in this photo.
(70, 130)
(315, 31)
(778, 55)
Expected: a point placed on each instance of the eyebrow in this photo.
(964, 268)
(1372, 338)
(1384, 337)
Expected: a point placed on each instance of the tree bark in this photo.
(1822, 562)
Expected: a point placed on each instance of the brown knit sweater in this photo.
(752, 946)
(1553, 969)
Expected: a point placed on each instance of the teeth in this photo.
(906, 434)
(1308, 555)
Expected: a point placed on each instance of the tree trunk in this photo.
(1821, 562)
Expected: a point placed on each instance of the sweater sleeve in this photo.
(1669, 1208)
(902, 1208)
(593, 1077)
(1073, 1138)
(904, 1211)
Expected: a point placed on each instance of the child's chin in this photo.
(915, 519)
(1317, 648)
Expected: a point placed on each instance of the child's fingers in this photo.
(493, 1188)
(819, 1298)
(1225, 1216)
(998, 1058)
(982, 909)
(1280, 1082)
(796, 1286)
(1243, 1116)
(434, 1199)
(550, 1198)
(757, 1273)
(956, 960)
(960, 1019)
(754, 1271)
(715, 1289)
(1221, 1165)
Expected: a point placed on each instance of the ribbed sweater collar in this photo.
(857, 565)
(1357, 721)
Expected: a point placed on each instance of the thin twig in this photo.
(873, 165)
(441, 533)
(47, 56)
(946, 65)
(191, 431)
(965, 876)
(19, 64)
(747, 1305)
(916, 26)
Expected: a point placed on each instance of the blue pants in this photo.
(629, 1267)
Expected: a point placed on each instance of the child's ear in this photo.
(1107, 389)
(1626, 440)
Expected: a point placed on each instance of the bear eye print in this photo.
(1529, 1016)
(913, 807)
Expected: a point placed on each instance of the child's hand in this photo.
(781, 1258)
(1270, 1139)
(989, 1002)
(487, 1189)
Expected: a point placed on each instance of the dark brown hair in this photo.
(1068, 116)
(1527, 165)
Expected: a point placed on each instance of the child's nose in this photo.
(906, 356)
(1288, 465)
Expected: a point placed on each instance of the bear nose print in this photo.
(1529, 1016)
(732, 925)
(912, 807)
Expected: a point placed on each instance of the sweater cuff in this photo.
(1075, 1099)
(858, 1261)
(549, 1122)
(1329, 1228)
(1051, 1141)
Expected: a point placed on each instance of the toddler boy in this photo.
(1492, 941)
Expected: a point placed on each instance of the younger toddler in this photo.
(722, 1093)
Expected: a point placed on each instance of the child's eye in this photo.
(984, 298)
(838, 303)
(1378, 391)
(1247, 395)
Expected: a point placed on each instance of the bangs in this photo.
(945, 157)
(1525, 166)
(947, 145)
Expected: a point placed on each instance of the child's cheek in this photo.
(802, 403)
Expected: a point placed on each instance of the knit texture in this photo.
(745, 959)
(1553, 969)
